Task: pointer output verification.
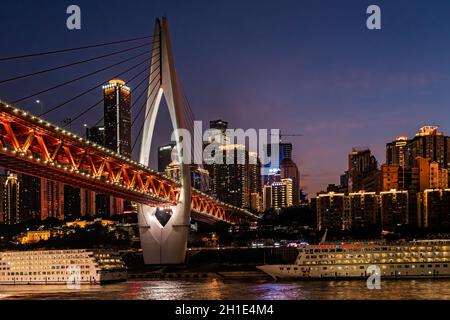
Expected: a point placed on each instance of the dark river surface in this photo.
(218, 289)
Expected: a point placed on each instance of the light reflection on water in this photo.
(217, 289)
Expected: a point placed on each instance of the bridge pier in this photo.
(162, 245)
(165, 244)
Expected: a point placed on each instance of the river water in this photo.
(218, 289)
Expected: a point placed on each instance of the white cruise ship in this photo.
(61, 267)
(417, 259)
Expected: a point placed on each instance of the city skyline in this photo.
(226, 150)
(385, 79)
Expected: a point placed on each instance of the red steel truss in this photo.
(32, 146)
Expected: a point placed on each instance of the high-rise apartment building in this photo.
(287, 169)
(96, 135)
(331, 211)
(72, 203)
(399, 178)
(117, 112)
(235, 173)
(429, 143)
(387, 210)
(30, 197)
(363, 171)
(397, 152)
(117, 123)
(52, 200)
(279, 195)
(395, 209)
(11, 201)
(200, 179)
(434, 209)
(165, 156)
(363, 210)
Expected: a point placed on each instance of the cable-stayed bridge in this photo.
(31, 145)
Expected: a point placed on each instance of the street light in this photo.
(41, 104)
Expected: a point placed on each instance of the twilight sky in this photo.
(308, 67)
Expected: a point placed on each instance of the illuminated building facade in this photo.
(117, 111)
(435, 209)
(117, 122)
(364, 209)
(11, 204)
(397, 152)
(96, 135)
(279, 195)
(30, 197)
(52, 200)
(397, 177)
(199, 177)
(363, 171)
(394, 207)
(387, 210)
(331, 209)
(287, 169)
(165, 156)
(429, 143)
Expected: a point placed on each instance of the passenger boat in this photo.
(416, 259)
(61, 267)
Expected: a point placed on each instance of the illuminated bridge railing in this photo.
(32, 146)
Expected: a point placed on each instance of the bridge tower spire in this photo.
(165, 244)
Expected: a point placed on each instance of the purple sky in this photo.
(308, 67)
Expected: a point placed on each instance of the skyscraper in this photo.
(230, 181)
(429, 143)
(363, 209)
(30, 197)
(397, 152)
(330, 211)
(399, 178)
(11, 204)
(165, 156)
(117, 114)
(52, 200)
(94, 203)
(434, 210)
(254, 175)
(363, 171)
(287, 169)
(279, 195)
(219, 125)
(72, 203)
(117, 111)
(96, 135)
(394, 209)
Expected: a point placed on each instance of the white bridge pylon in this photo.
(163, 245)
